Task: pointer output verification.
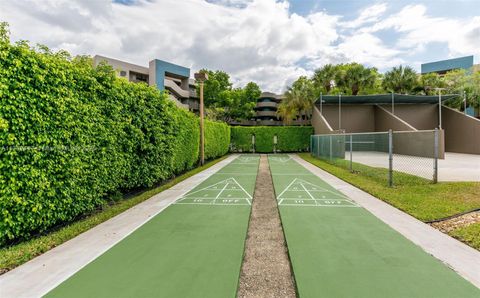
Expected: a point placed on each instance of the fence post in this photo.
(311, 145)
(390, 158)
(318, 146)
(330, 148)
(253, 143)
(351, 153)
(435, 161)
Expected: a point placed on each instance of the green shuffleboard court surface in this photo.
(194, 248)
(339, 249)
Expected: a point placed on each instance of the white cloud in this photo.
(259, 40)
(418, 29)
(368, 15)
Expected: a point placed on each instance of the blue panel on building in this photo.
(173, 70)
(445, 65)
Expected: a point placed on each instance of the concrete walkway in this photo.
(458, 256)
(455, 166)
(38, 276)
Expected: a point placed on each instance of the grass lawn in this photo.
(13, 256)
(416, 196)
(469, 234)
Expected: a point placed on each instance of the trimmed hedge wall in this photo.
(71, 136)
(217, 139)
(289, 138)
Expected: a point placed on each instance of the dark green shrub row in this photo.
(72, 135)
(217, 139)
(289, 138)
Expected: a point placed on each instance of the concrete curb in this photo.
(40, 275)
(460, 257)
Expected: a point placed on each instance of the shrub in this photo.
(289, 138)
(72, 135)
(217, 139)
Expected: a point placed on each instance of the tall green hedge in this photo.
(289, 138)
(71, 135)
(217, 139)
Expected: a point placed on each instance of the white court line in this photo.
(239, 174)
(206, 188)
(210, 198)
(280, 159)
(285, 191)
(220, 192)
(249, 196)
(291, 199)
(336, 206)
(216, 204)
(229, 181)
(324, 189)
(291, 175)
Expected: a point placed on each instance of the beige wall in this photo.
(384, 121)
(462, 133)
(119, 65)
(355, 118)
(418, 143)
(420, 116)
(319, 124)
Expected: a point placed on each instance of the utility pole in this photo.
(439, 107)
(201, 77)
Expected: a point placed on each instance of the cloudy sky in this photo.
(270, 42)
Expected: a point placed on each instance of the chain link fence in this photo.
(393, 157)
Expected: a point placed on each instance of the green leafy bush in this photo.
(72, 135)
(289, 138)
(217, 139)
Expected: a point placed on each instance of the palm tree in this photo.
(301, 96)
(287, 112)
(356, 77)
(400, 79)
(430, 81)
(324, 76)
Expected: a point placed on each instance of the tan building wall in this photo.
(320, 125)
(420, 116)
(371, 118)
(355, 118)
(384, 121)
(121, 66)
(462, 133)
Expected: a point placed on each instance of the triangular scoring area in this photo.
(281, 159)
(245, 159)
(304, 191)
(225, 192)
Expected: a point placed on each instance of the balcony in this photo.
(266, 114)
(175, 89)
(267, 104)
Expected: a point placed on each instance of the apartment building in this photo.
(267, 105)
(164, 75)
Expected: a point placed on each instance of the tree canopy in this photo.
(225, 103)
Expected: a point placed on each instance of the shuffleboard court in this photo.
(194, 248)
(339, 249)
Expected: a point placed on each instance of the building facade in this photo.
(443, 66)
(267, 106)
(164, 75)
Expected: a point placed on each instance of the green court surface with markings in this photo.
(193, 248)
(339, 249)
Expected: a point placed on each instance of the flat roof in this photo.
(384, 99)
